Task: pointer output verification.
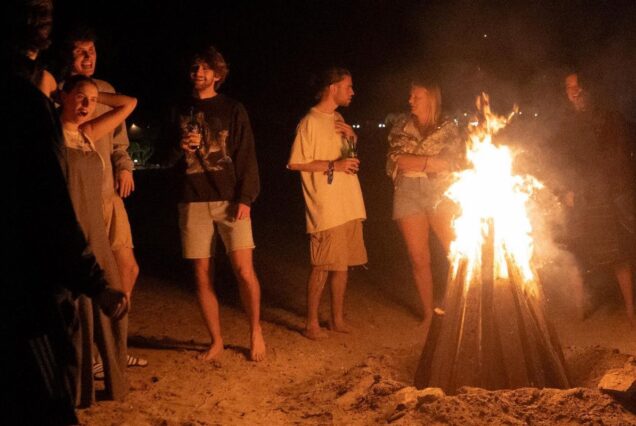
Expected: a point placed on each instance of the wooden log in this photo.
(548, 363)
(492, 373)
(493, 334)
(429, 371)
(508, 322)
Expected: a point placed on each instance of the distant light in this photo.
(520, 112)
(485, 35)
(135, 161)
(356, 126)
(474, 123)
(381, 125)
(536, 114)
(465, 114)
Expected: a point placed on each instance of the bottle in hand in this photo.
(193, 131)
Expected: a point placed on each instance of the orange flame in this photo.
(488, 190)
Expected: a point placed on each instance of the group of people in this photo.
(98, 172)
(57, 239)
(590, 165)
(74, 220)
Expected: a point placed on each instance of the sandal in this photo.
(133, 361)
(98, 371)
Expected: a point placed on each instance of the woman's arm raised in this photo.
(99, 126)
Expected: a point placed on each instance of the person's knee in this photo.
(134, 269)
(131, 270)
(127, 263)
(245, 273)
(201, 268)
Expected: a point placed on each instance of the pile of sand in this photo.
(370, 393)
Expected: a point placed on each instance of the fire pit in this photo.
(492, 331)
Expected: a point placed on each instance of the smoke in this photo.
(519, 51)
(558, 268)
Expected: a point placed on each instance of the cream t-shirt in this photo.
(326, 205)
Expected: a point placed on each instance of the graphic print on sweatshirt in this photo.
(212, 155)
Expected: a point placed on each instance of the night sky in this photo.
(273, 46)
(514, 50)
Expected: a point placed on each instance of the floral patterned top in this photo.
(405, 138)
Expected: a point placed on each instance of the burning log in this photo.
(493, 333)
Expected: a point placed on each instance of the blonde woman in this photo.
(423, 150)
(84, 168)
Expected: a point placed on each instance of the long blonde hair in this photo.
(434, 98)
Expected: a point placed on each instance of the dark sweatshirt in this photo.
(225, 167)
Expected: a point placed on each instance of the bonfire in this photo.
(492, 331)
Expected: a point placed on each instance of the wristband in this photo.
(330, 168)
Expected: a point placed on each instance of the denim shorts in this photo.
(417, 195)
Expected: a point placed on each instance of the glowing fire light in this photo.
(488, 192)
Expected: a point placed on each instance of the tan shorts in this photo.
(336, 249)
(117, 224)
(197, 222)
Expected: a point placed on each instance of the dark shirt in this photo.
(592, 155)
(46, 260)
(224, 168)
(591, 158)
(48, 251)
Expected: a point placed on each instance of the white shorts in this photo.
(197, 223)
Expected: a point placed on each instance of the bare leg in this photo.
(441, 224)
(315, 286)
(250, 291)
(415, 233)
(128, 269)
(623, 274)
(209, 307)
(338, 282)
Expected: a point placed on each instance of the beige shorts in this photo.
(336, 249)
(117, 224)
(197, 223)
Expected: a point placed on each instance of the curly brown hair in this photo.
(211, 56)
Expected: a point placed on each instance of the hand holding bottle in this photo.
(191, 141)
(192, 134)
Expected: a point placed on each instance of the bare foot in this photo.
(340, 327)
(213, 354)
(257, 351)
(315, 333)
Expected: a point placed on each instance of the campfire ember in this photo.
(493, 332)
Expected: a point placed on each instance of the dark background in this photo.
(512, 49)
(516, 51)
